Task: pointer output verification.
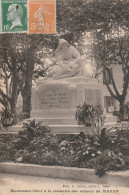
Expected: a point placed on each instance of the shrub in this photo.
(30, 130)
(109, 161)
(103, 137)
(103, 152)
(122, 139)
(89, 115)
(7, 118)
(35, 129)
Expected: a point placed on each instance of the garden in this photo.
(105, 150)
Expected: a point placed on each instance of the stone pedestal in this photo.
(55, 101)
(65, 94)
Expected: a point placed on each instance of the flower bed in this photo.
(33, 145)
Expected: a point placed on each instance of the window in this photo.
(109, 104)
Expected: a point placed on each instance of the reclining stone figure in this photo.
(70, 63)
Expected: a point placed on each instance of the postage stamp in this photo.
(42, 16)
(14, 15)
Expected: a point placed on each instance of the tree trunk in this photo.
(121, 111)
(124, 93)
(26, 92)
(26, 95)
(122, 106)
(14, 97)
(14, 90)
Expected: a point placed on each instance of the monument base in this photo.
(66, 93)
(55, 101)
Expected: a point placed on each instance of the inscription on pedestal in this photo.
(93, 96)
(54, 98)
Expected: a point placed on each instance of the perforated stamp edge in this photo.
(0, 17)
(1, 23)
(26, 31)
(44, 32)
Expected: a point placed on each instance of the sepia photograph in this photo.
(64, 97)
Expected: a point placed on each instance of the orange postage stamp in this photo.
(42, 16)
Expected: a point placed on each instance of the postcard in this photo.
(64, 97)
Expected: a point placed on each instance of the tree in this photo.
(112, 52)
(31, 45)
(111, 45)
(108, 21)
(10, 71)
(18, 59)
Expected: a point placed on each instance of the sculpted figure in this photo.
(14, 15)
(39, 14)
(70, 62)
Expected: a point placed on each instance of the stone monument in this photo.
(67, 85)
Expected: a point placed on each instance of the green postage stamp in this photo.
(13, 15)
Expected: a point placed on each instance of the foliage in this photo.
(121, 140)
(89, 114)
(19, 54)
(42, 150)
(108, 22)
(109, 161)
(5, 143)
(111, 49)
(36, 129)
(30, 130)
(86, 15)
(34, 145)
(101, 136)
(9, 67)
(7, 118)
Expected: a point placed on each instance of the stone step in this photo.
(110, 124)
(68, 121)
(110, 118)
(15, 128)
(62, 116)
(54, 113)
(63, 129)
(58, 129)
(56, 121)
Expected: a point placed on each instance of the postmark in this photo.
(42, 16)
(14, 15)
